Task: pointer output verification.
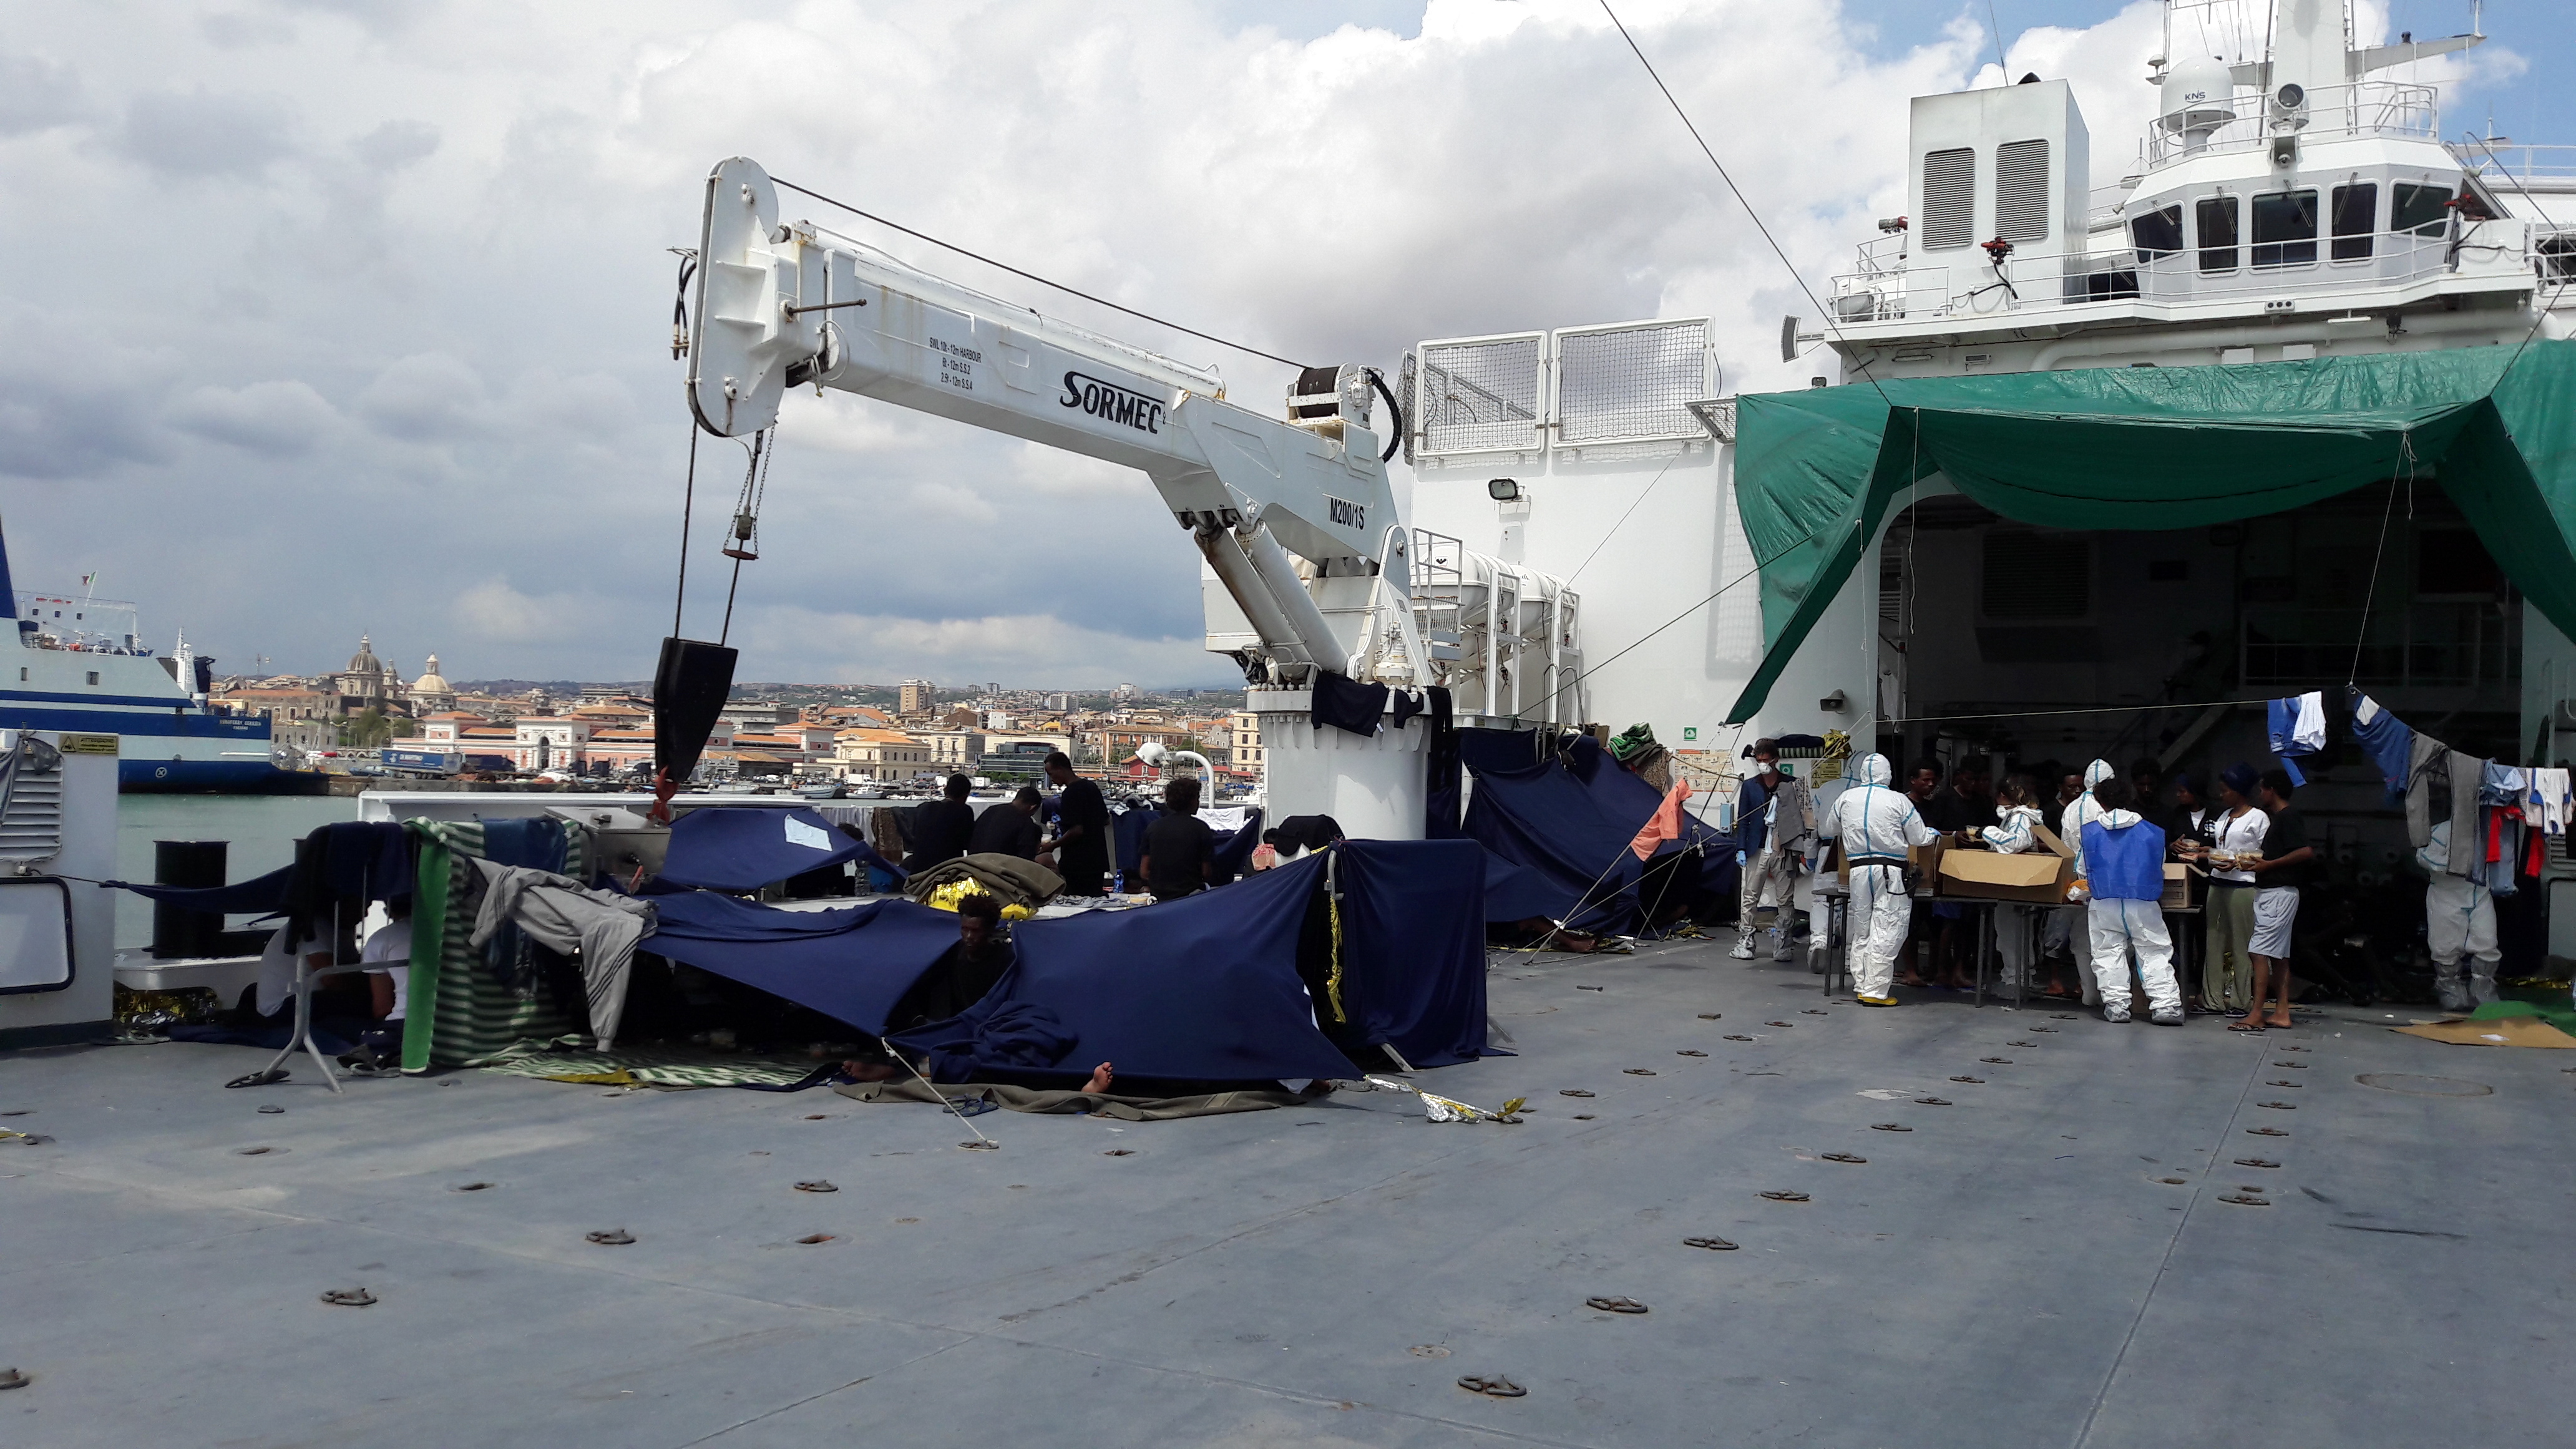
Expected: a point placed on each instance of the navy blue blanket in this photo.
(745, 847)
(1570, 820)
(851, 965)
(1203, 988)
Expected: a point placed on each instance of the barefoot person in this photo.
(2288, 863)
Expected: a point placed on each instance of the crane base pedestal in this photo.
(1377, 787)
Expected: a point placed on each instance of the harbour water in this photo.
(263, 830)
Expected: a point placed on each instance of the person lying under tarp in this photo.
(961, 977)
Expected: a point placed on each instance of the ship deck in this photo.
(2016, 1269)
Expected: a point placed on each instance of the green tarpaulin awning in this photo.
(2160, 448)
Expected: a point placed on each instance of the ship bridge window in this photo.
(2215, 217)
(2021, 191)
(2157, 233)
(1949, 198)
(2419, 209)
(2356, 210)
(2285, 229)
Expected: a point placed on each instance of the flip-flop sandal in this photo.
(1715, 1245)
(1614, 1305)
(1491, 1385)
(259, 1079)
(2248, 1028)
(1846, 1157)
(349, 1298)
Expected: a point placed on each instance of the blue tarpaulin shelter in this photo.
(1204, 988)
(1568, 821)
(743, 848)
(852, 965)
(1413, 946)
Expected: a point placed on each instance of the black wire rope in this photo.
(754, 484)
(688, 504)
(1034, 277)
(1394, 414)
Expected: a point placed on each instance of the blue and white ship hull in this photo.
(79, 667)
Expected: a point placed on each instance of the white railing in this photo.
(2363, 108)
(1624, 383)
(2544, 169)
(1969, 287)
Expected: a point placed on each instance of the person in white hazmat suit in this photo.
(2081, 811)
(2125, 915)
(1876, 826)
(2459, 921)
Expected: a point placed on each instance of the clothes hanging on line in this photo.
(2387, 741)
(558, 913)
(2428, 788)
(1345, 704)
(2548, 805)
(2297, 727)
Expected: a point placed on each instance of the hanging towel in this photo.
(2387, 741)
(556, 911)
(1345, 704)
(2466, 772)
(2297, 727)
(1406, 703)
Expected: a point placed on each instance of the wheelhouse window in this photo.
(2285, 229)
(2215, 216)
(2157, 233)
(2419, 209)
(2356, 210)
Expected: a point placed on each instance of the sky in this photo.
(331, 316)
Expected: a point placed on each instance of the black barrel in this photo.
(176, 930)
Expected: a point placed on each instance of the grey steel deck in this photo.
(2012, 1271)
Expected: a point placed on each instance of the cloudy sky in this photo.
(331, 315)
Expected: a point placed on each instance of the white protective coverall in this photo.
(2079, 811)
(2118, 928)
(2459, 920)
(2015, 836)
(1876, 825)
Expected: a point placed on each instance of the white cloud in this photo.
(198, 134)
(37, 93)
(425, 398)
(265, 417)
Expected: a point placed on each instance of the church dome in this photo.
(365, 660)
(431, 682)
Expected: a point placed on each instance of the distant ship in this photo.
(81, 666)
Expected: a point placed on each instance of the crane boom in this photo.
(783, 305)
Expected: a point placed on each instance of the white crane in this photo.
(782, 305)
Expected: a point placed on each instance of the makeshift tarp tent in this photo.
(1412, 964)
(1204, 988)
(1569, 822)
(746, 847)
(2160, 448)
(853, 965)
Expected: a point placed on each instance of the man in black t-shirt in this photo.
(2288, 863)
(1082, 841)
(1180, 850)
(1008, 829)
(939, 829)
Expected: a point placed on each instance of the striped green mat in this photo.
(650, 1066)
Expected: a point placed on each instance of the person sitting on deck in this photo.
(1180, 850)
(961, 976)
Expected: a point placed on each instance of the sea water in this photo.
(262, 831)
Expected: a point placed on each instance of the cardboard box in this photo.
(2186, 886)
(2038, 877)
(1923, 860)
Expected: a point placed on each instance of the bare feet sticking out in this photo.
(1101, 1077)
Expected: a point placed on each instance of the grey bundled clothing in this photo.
(2467, 771)
(558, 913)
(2428, 769)
(1793, 817)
